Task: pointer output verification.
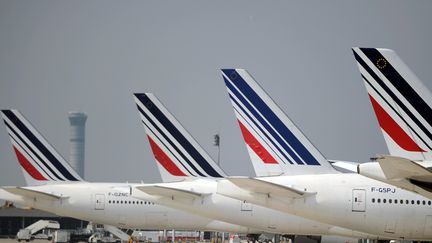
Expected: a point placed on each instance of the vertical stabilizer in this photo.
(40, 162)
(274, 143)
(401, 102)
(177, 153)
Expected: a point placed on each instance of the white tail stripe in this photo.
(176, 147)
(31, 160)
(185, 134)
(257, 131)
(41, 159)
(179, 139)
(288, 157)
(35, 162)
(165, 147)
(401, 113)
(393, 89)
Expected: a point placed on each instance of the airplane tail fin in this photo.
(177, 153)
(274, 143)
(401, 102)
(40, 162)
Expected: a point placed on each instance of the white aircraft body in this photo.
(55, 187)
(193, 179)
(310, 187)
(111, 204)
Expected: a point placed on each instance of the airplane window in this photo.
(429, 202)
(424, 202)
(390, 201)
(407, 201)
(401, 201)
(117, 201)
(121, 202)
(418, 202)
(109, 201)
(141, 202)
(145, 202)
(373, 200)
(384, 200)
(395, 201)
(133, 202)
(378, 200)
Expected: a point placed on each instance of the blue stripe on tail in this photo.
(272, 118)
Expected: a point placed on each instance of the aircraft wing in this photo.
(26, 192)
(257, 186)
(258, 191)
(169, 192)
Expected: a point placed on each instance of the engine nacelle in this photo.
(372, 170)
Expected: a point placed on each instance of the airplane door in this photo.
(390, 226)
(99, 201)
(428, 226)
(246, 207)
(359, 200)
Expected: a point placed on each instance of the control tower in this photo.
(77, 141)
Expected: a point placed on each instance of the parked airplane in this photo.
(53, 186)
(314, 190)
(402, 105)
(180, 158)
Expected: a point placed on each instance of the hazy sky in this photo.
(58, 56)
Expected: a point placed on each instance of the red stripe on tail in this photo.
(31, 170)
(164, 160)
(256, 146)
(393, 129)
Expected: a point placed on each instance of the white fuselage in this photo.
(356, 202)
(223, 208)
(113, 204)
(95, 202)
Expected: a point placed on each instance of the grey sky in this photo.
(57, 56)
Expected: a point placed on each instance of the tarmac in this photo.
(15, 241)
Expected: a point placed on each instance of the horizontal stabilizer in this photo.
(25, 192)
(400, 172)
(169, 192)
(400, 168)
(270, 189)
